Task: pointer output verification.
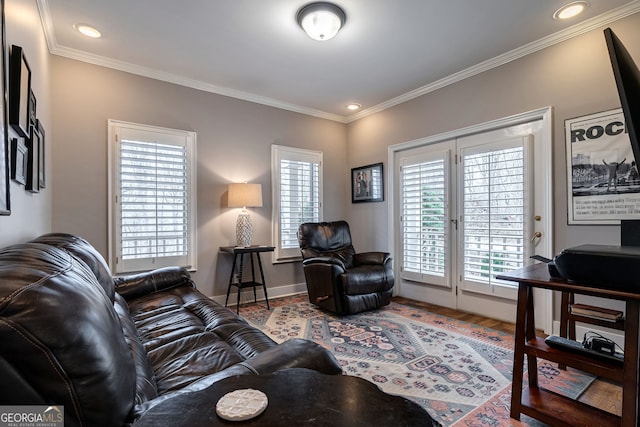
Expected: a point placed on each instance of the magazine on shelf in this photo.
(598, 312)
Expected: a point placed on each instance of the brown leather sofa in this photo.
(339, 279)
(109, 349)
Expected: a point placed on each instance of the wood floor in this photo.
(602, 394)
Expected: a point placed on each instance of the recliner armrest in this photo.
(135, 285)
(373, 258)
(324, 260)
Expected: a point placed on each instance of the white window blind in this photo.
(154, 206)
(297, 178)
(424, 218)
(493, 213)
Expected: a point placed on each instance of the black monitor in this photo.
(627, 76)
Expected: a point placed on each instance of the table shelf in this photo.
(557, 410)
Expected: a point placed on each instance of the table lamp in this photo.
(244, 196)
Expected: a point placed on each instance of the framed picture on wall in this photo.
(41, 157)
(19, 91)
(602, 175)
(367, 184)
(5, 199)
(33, 162)
(19, 158)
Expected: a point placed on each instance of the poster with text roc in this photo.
(604, 186)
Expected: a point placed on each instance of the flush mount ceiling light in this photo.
(353, 107)
(570, 10)
(321, 20)
(88, 31)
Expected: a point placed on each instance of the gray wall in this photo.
(574, 77)
(30, 213)
(234, 143)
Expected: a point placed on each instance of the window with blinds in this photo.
(424, 218)
(153, 202)
(297, 196)
(493, 212)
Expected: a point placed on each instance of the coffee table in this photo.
(296, 397)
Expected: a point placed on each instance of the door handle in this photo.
(536, 235)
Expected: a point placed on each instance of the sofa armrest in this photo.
(372, 258)
(135, 285)
(294, 353)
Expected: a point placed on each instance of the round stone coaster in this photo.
(241, 405)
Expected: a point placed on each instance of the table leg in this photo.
(631, 383)
(240, 281)
(264, 286)
(518, 353)
(233, 268)
(530, 334)
(253, 277)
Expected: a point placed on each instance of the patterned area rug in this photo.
(459, 372)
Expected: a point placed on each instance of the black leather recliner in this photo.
(339, 279)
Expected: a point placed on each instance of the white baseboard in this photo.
(616, 336)
(247, 294)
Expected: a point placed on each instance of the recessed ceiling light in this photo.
(570, 10)
(88, 31)
(353, 107)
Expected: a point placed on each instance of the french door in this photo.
(466, 209)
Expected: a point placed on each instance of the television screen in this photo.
(627, 76)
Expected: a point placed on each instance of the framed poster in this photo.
(20, 90)
(602, 175)
(367, 184)
(5, 199)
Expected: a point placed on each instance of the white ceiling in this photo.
(388, 52)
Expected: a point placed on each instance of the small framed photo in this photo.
(33, 162)
(18, 161)
(367, 184)
(41, 168)
(19, 91)
(32, 108)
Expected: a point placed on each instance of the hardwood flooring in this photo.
(602, 393)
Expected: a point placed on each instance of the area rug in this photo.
(459, 372)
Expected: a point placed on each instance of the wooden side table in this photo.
(239, 252)
(554, 409)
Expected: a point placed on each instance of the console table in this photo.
(549, 407)
(296, 397)
(239, 252)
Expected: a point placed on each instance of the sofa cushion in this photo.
(60, 332)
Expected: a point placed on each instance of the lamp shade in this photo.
(245, 195)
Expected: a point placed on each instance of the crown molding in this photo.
(573, 31)
(553, 39)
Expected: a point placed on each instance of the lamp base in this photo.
(244, 229)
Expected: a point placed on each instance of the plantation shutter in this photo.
(297, 180)
(494, 212)
(299, 198)
(154, 218)
(424, 218)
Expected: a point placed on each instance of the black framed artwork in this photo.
(19, 159)
(19, 91)
(5, 199)
(367, 184)
(41, 156)
(32, 108)
(33, 162)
